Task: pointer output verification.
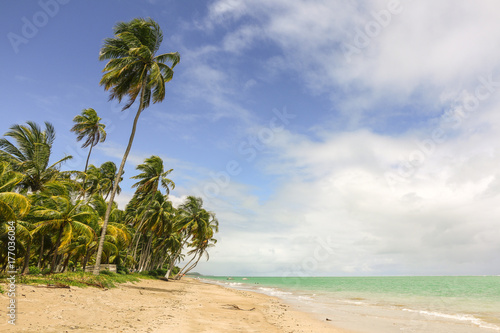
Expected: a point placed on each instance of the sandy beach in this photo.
(155, 306)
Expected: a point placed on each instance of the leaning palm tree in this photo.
(134, 70)
(87, 126)
(30, 154)
(192, 223)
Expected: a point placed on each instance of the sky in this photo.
(331, 138)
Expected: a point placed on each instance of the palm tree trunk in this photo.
(192, 266)
(85, 259)
(183, 268)
(25, 269)
(88, 157)
(174, 258)
(145, 254)
(41, 253)
(66, 262)
(117, 180)
(53, 264)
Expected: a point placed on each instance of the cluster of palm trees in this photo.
(59, 214)
(68, 219)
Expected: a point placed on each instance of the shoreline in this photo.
(152, 306)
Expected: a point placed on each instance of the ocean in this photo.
(440, 304)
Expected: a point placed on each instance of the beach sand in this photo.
(155, 306)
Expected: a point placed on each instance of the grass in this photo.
(79, 279)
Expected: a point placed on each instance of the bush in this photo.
(106, 272)
(46, 271)
(34, 270)
(122, 270)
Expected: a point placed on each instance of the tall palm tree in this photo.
(134, 70)
(88, 126)
(31, 154)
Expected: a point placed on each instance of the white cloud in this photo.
(439, 219)
(424, 47)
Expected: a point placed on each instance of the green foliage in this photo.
(122, 269)
(34, 270)
(78, 279)
(59, 215)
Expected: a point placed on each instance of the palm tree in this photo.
(193, 221)
(13, 205)
(67, 218)
(87, 126)
(31, 155)
(151, 178)
(157, 222)
(153, 175)
(134, 70)
(100, 180)
(201, 243)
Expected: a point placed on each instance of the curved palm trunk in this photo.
(88, 157)
(177, 277)
(117, 181)
(173, 259)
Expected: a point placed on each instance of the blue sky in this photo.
(330, 137)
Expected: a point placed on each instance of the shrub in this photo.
(34, 270)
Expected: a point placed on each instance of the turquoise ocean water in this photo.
(413, 304)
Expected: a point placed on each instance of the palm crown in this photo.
(134, 65)
(87, 125)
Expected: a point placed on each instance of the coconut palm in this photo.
(87, 126)
(100, 180)
(13, 205)
(134, 70)
(66, 218)
(201, 243)
(157, 221)
(152, 177)
(193, 222)
(30, 154)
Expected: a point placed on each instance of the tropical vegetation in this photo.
(67, 220)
